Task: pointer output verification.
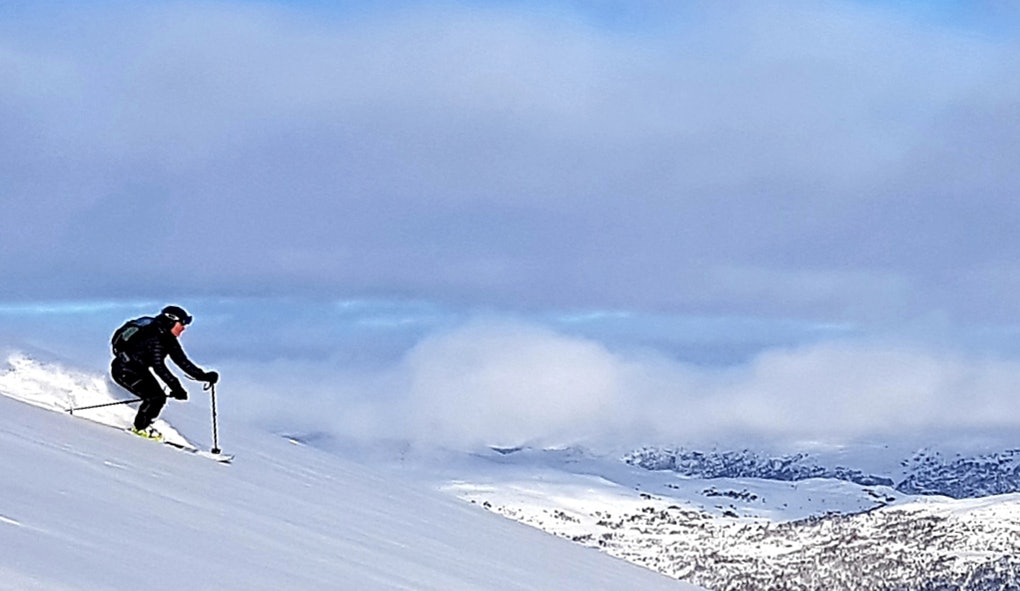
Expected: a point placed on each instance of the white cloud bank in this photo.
(509, 382)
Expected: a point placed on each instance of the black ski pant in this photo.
(138, 380)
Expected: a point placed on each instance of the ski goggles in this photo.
(186, 320)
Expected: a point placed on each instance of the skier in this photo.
(140, 349)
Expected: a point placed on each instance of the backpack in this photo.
(122, 337)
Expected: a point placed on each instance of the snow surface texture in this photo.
(84, 507)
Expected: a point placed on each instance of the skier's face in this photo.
(177, 329)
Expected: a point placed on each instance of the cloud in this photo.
(499, 381)
(512, 156)
(510, 383)
(412, 372)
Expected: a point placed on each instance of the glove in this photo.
(179, 393)
(212, 377)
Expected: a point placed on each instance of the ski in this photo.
(180, 443)
(217, 457)
(220, 457)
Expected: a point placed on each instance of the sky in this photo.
(729, 208)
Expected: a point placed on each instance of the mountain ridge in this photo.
(926, 472)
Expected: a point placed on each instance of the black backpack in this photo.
(122, 338)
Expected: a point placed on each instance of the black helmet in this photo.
(177, 314)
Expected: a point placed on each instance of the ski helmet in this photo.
(177, 314)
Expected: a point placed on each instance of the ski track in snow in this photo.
(8, 521)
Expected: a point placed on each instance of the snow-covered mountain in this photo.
(925, 472)
(769, 531)
(303, 510)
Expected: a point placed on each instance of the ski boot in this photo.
(149, 432)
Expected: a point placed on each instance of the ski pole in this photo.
(71, 410)
(215, 433)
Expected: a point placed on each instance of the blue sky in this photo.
(839, 161)
(714, 183)
(830, 159)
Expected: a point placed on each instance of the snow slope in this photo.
(86, 507)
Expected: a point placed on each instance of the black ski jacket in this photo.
(150, 348)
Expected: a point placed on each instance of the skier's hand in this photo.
(212, 377)
(179, 394)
